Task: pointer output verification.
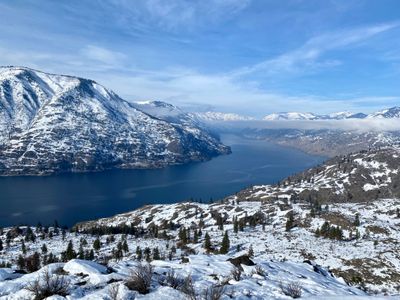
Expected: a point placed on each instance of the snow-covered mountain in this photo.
(167, 112)
(54, 123)
(389, 113)
(290, 116)
(220, 116)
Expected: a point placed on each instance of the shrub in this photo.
(48, 285)
(173, 280)
(188, 288)
(236, 273)
(292, 289)
(113, 291)
(259, 271)
(140, 278)
(214, 292)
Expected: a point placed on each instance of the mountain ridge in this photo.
(54, 123)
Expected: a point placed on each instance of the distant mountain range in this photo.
(210, 116)
(53, 123)
(220, 116)
(389, 113)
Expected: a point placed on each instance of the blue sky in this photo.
(245, 56)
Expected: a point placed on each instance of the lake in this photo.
(69, 198)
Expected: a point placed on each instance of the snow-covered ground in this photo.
(368, 256)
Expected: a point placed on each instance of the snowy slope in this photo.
(358, 177)
(52, 123)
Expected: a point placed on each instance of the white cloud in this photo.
(307, 56)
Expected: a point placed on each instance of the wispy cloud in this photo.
(175, 14)
(103, 55)
(308, 55)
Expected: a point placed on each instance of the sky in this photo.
(251, 57)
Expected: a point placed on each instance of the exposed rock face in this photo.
(52, 123)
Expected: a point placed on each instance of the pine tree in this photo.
(97, 245)
(91, 254)
(23, 247)
(44, 249)
(195, 237)
(183, 235)
(235, 225)
(357, 220)
(207, 242)
(220, 222)
(147, 253)
(125, 246)
(225, 244)
(1, 245)
(70, 253)
(81, 253)
(139, 254)
(156, 254)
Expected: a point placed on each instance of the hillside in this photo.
(53, 123)
(358, 177)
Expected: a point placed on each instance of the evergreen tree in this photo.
(220, 222)
(147, 253)
(195, 237)
(70, 253)
(357, 220)
(139, 254)
(207, 242)
(225, 244)
(125, 246)
(81, 253)
(235, 225)
(183, 235)
(44, 249)
(156, 254)
(97, 245)
(91, 254)
(23, 247)
(1, 245)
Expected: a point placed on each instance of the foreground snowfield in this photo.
(319, 265)
(89, 280)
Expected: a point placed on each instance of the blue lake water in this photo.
(69, 198)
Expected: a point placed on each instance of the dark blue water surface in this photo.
(70, 198)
